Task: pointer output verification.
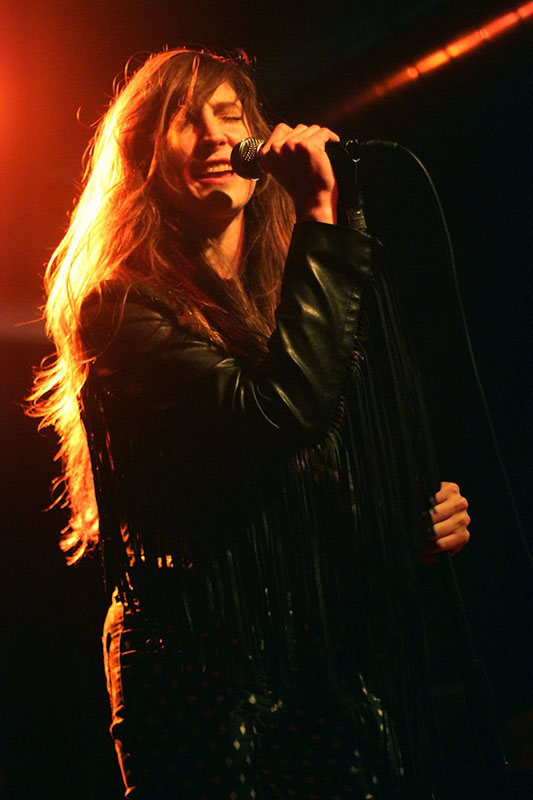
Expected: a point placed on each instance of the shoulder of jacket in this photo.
(113, 308)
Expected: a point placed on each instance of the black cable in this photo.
(475, 675)
(355, 148)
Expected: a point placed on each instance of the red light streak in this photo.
(437, 59)
(432, 61)
(463, 45)
(498, 25)
(399, 78)
(525, 11)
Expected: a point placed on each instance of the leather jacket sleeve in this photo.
(148, 363)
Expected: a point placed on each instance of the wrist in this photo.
(323, 209)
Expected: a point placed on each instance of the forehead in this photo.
(222, 99)
(224, 94)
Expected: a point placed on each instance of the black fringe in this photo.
(311, 582)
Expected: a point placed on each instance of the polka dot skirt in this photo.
(183, 733)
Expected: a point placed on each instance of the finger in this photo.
(302, 134)
(452, 543)
(449, 526)
(296, 138)
(304, 143)
(454, 504)
(280, 134)
(318, 134)
(447, 489)
(274, 145)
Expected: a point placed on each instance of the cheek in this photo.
(178, 150)
(173, 174)
(176, 169)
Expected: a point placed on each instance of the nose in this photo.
(212, 129)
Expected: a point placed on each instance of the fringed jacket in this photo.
(270, 516)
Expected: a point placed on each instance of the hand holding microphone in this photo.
(297, 159)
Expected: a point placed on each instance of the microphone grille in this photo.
(244, 158)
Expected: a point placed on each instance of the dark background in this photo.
(470, 123)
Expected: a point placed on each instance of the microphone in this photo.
(244, 158)
(244, 154)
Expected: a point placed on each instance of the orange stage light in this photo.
(399, 78)
(525, 11)
(498, 25)
(432, 61)
(463, 45)
(438, 58)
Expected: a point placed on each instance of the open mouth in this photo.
(218, 169)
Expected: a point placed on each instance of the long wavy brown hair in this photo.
(122, 230)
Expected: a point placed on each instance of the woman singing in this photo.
(242, 433)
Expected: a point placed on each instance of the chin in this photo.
(219, 203)
(216, 210)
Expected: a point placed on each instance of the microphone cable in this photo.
(355, 149)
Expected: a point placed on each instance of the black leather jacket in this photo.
(266, 519)
(190, 446)
(150, 362)
(253, 504)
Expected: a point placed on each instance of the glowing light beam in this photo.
(438, 58)
(525, 11)
(432, 61)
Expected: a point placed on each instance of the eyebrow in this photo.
(227, 106)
